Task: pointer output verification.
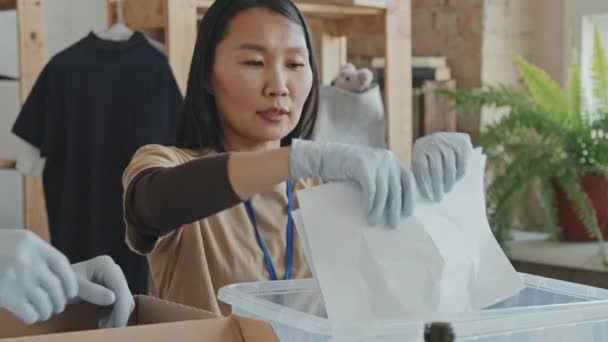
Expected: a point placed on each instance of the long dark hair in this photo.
(198, 126)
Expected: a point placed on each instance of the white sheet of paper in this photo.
(444, 258)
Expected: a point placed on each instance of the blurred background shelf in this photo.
(7, 164)
(580, 262)
(6, 5)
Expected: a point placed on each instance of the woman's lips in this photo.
(273, 115)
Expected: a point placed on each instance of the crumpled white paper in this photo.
(444, 258)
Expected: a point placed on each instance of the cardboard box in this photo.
(152, 320)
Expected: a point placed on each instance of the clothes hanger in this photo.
(118, 31)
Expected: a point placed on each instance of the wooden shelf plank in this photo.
(333, 56)
(32, 44)
(325, 9)
(337, 12)
(398, 92)
(144, 14)
(7, 5)
(361, 3)
(536, 248)
(180, 36)
(8, 164)
(354, 26)
(33, 57)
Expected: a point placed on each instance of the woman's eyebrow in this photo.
(262, 48)
(298, 49)
(254, 47)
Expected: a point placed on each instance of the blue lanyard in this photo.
(289, 248)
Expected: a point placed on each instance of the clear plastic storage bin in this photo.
(546, 310)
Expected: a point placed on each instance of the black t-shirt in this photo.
(93, 105)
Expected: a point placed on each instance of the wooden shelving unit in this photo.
(32, 58)
(7, 164)
(331, 20)
(6, 5)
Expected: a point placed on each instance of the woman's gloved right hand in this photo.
(387, 186)
(36, 280)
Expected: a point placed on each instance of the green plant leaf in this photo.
(585, 210)
(501, 222)
(528, 195)
(575, 91)
(545, 91)
(523, 125)
(600, 72)
(544, 136)
(491, 96)
(533, 162)
(549, 206)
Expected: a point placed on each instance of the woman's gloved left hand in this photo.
(439, 160)
(101, 282)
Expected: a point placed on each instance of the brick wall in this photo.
(510, 28)
(452, 28)
(479, 38)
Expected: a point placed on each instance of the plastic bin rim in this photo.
(595, 306)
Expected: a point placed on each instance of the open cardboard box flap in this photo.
(153, 320)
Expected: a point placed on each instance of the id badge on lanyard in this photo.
(290, 236)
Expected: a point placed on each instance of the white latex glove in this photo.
(440, 160)
(101, 282)
(36, 280)
(387, 186)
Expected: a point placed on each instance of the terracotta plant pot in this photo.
(573, 229)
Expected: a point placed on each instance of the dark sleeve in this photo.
(34, 123)
(160, 200)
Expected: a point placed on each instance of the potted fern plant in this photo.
(549, 138)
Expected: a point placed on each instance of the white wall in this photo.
(66, 22)
(8, 44)
(531, 28)
(549, 43)
(9, 108)
(557, 26)
(509, 28)
(576, 11)
(590, 24)
(11, 199)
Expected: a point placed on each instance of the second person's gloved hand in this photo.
(387, 186)
(440, 160)
(101, 282)
(36, 280)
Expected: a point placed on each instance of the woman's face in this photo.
(261, 78)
